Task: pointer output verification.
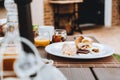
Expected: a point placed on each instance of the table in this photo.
(72, 15)
(109, 69)
(102, 71)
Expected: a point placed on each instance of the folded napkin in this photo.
(117, 56)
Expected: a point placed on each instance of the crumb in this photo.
(96, 50)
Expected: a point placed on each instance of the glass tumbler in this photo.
(60, 35)
(43, 38)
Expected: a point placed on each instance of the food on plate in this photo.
(96, 50)
(83, 51)
(68, 49)
(78, 40)
(83, 44)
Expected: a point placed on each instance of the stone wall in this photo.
(49, 16)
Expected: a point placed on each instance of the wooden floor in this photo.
(109, 36)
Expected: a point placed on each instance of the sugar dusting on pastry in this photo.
(83, 45)
(68, 49)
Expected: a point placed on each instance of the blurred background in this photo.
(89, 12)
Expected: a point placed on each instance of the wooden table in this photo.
(100, 72)
(109, 69)
(70, 15)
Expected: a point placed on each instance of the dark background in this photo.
(91, 11)
(1, 2)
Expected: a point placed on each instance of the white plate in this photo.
(55, 49)
(3, 21)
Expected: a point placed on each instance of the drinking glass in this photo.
(50, 29)
(60, 35)
(43, 38)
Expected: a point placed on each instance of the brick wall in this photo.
(49, 18)
(48, 13)
(116, 12)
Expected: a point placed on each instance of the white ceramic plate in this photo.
(55, 49)
(3, 21)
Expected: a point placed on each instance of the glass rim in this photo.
(60, 29)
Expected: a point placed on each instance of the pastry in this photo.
(83, 44)
(68, 49)
(78, 40)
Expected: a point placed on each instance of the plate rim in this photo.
(74, 57)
